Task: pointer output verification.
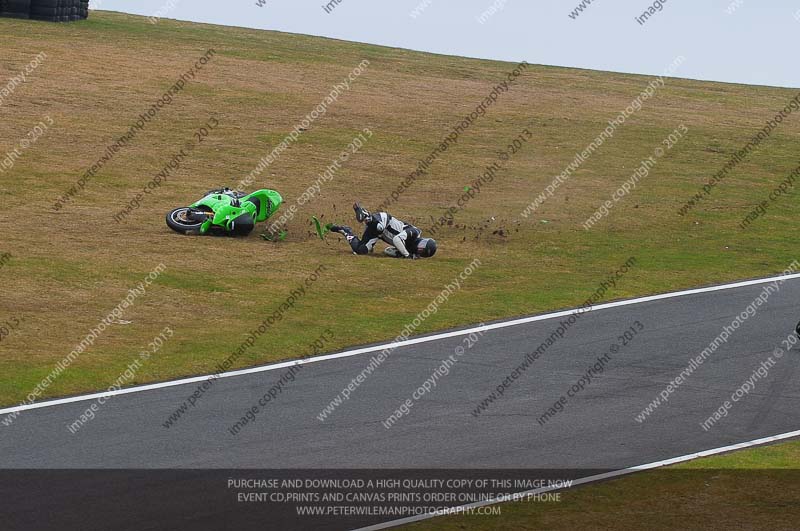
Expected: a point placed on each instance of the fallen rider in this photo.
(405, 240)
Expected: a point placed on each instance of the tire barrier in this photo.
(15, 8)
(50, 10)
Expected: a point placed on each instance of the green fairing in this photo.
(259, 205)
(225, 212)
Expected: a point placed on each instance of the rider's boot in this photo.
(341, 229)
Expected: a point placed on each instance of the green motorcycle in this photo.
(225, 212)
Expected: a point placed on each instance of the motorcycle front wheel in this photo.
(186, 220)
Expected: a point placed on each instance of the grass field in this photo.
(730, 491)
(69, 268)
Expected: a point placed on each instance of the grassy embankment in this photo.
(70, 268)
(750, 489)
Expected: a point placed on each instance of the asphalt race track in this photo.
(596, 429)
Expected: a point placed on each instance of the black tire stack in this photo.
(59, 10)
(45, 9)
(15, 8)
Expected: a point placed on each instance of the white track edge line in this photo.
(394, 345)
(589, 479)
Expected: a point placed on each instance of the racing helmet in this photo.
(426, 247)
(362, 214)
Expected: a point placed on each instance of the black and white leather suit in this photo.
(382, 226)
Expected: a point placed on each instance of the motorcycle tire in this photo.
(178, 221)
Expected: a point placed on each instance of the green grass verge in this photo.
(70, 268)
(750, 489)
